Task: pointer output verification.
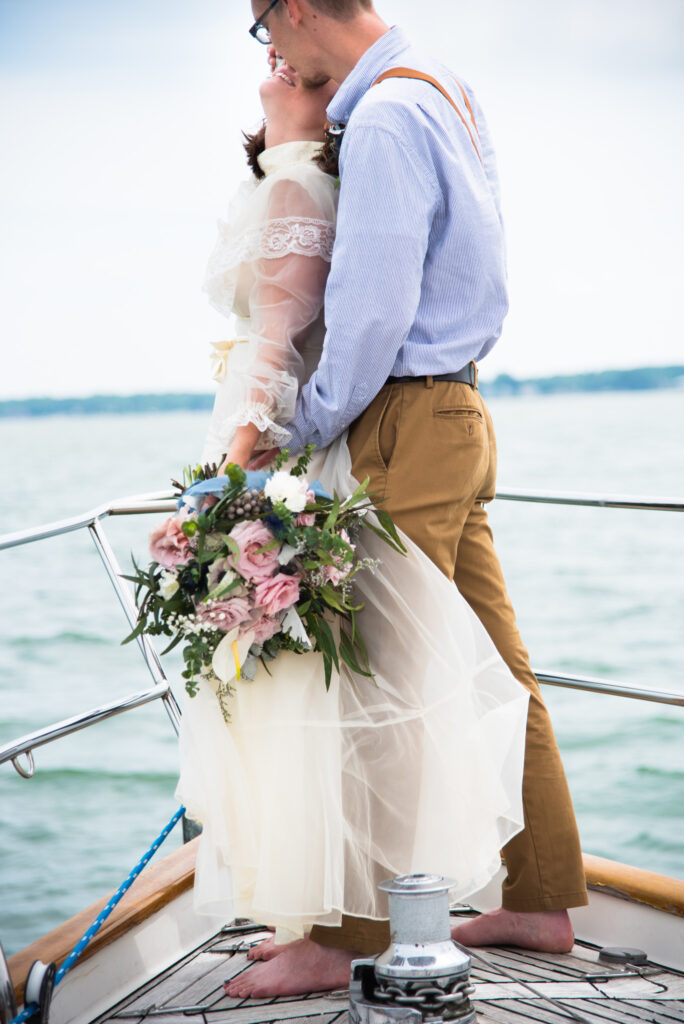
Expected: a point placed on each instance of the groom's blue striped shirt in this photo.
(417, 283)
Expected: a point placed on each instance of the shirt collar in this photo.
(285, 154)
(380, 56)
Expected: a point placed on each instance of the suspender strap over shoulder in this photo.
(421, 76)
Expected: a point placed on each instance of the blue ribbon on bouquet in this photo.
(255, 481)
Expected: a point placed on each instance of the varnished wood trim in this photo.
(157, 886)
(658, 891)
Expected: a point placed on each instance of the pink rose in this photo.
(307, 518)
(224, 615)
(251, 563)
(169, 546)
(277, 593)
(334, 575)
(264, 628)
(341, 569)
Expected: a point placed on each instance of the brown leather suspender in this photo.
(411, 73)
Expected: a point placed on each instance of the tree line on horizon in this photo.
(642, 379)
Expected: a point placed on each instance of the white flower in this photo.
(287, 553)
(168, 584)
(293, 625)
(291, 490)
(220, 576)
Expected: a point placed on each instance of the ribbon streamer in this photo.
(219, 357)
(255, 481)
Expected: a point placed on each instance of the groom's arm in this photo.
(388, 198)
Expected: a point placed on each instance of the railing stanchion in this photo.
(131, 612)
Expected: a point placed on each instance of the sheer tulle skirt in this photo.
(309, 798)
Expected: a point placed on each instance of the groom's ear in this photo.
(295, 11)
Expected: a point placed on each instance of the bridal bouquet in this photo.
(269, 566)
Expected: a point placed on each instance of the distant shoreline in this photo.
(647, 378)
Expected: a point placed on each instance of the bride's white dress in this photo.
(308, 798)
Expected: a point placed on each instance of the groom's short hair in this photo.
(341, 9)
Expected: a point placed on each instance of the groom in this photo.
(416, 294)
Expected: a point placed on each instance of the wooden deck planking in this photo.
(177, 982)
(211, 983)
(196, 981)
(259, 1015)
(596, 1012)
(551, 966)
(610, 1010)
(516, 1012)
(673, 1011)
(212, 1017)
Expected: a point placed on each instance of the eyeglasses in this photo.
(259, 30)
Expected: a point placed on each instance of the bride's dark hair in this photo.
(255, 145)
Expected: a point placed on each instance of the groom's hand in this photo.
(263, 458)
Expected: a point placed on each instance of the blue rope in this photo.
(27, 1012)
(73, 956)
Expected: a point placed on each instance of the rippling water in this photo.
(597, 591)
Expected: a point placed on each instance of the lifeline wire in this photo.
(29, 1010)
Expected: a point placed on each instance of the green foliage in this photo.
(320, 554)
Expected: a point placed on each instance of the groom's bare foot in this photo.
(266, 950)
(548, 931)
(302, 967)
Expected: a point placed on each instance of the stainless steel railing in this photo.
(597, 501)
(161, 690)
(600, 501)
(164, 501)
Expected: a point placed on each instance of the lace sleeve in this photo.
(305, 236)
(285, 258)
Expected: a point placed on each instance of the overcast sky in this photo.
(120, 146)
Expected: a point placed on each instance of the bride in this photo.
(309, 798)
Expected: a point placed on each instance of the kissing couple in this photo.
(362, 268)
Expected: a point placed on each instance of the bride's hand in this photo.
(237, 460)
(263, 458)
(241, 448)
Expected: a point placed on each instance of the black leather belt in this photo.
(468, 375)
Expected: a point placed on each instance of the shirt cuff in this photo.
(302, 433)
(297, 442)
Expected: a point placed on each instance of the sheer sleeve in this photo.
(272, 269)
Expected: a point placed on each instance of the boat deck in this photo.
(192, 990)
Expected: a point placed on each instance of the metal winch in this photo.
(423, 975)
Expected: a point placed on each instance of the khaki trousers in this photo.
(430, 452)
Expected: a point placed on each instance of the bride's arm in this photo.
(242, 447)
(285, 299)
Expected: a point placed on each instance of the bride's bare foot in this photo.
(266, 950)
(548, 931)
(302, 967)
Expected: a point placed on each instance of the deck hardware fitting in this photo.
(239, 947)
(29, 770)
(422, 976)
(243, 929)
(622, 955)
(8, 1004)
(40, 982)
(647, 975)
